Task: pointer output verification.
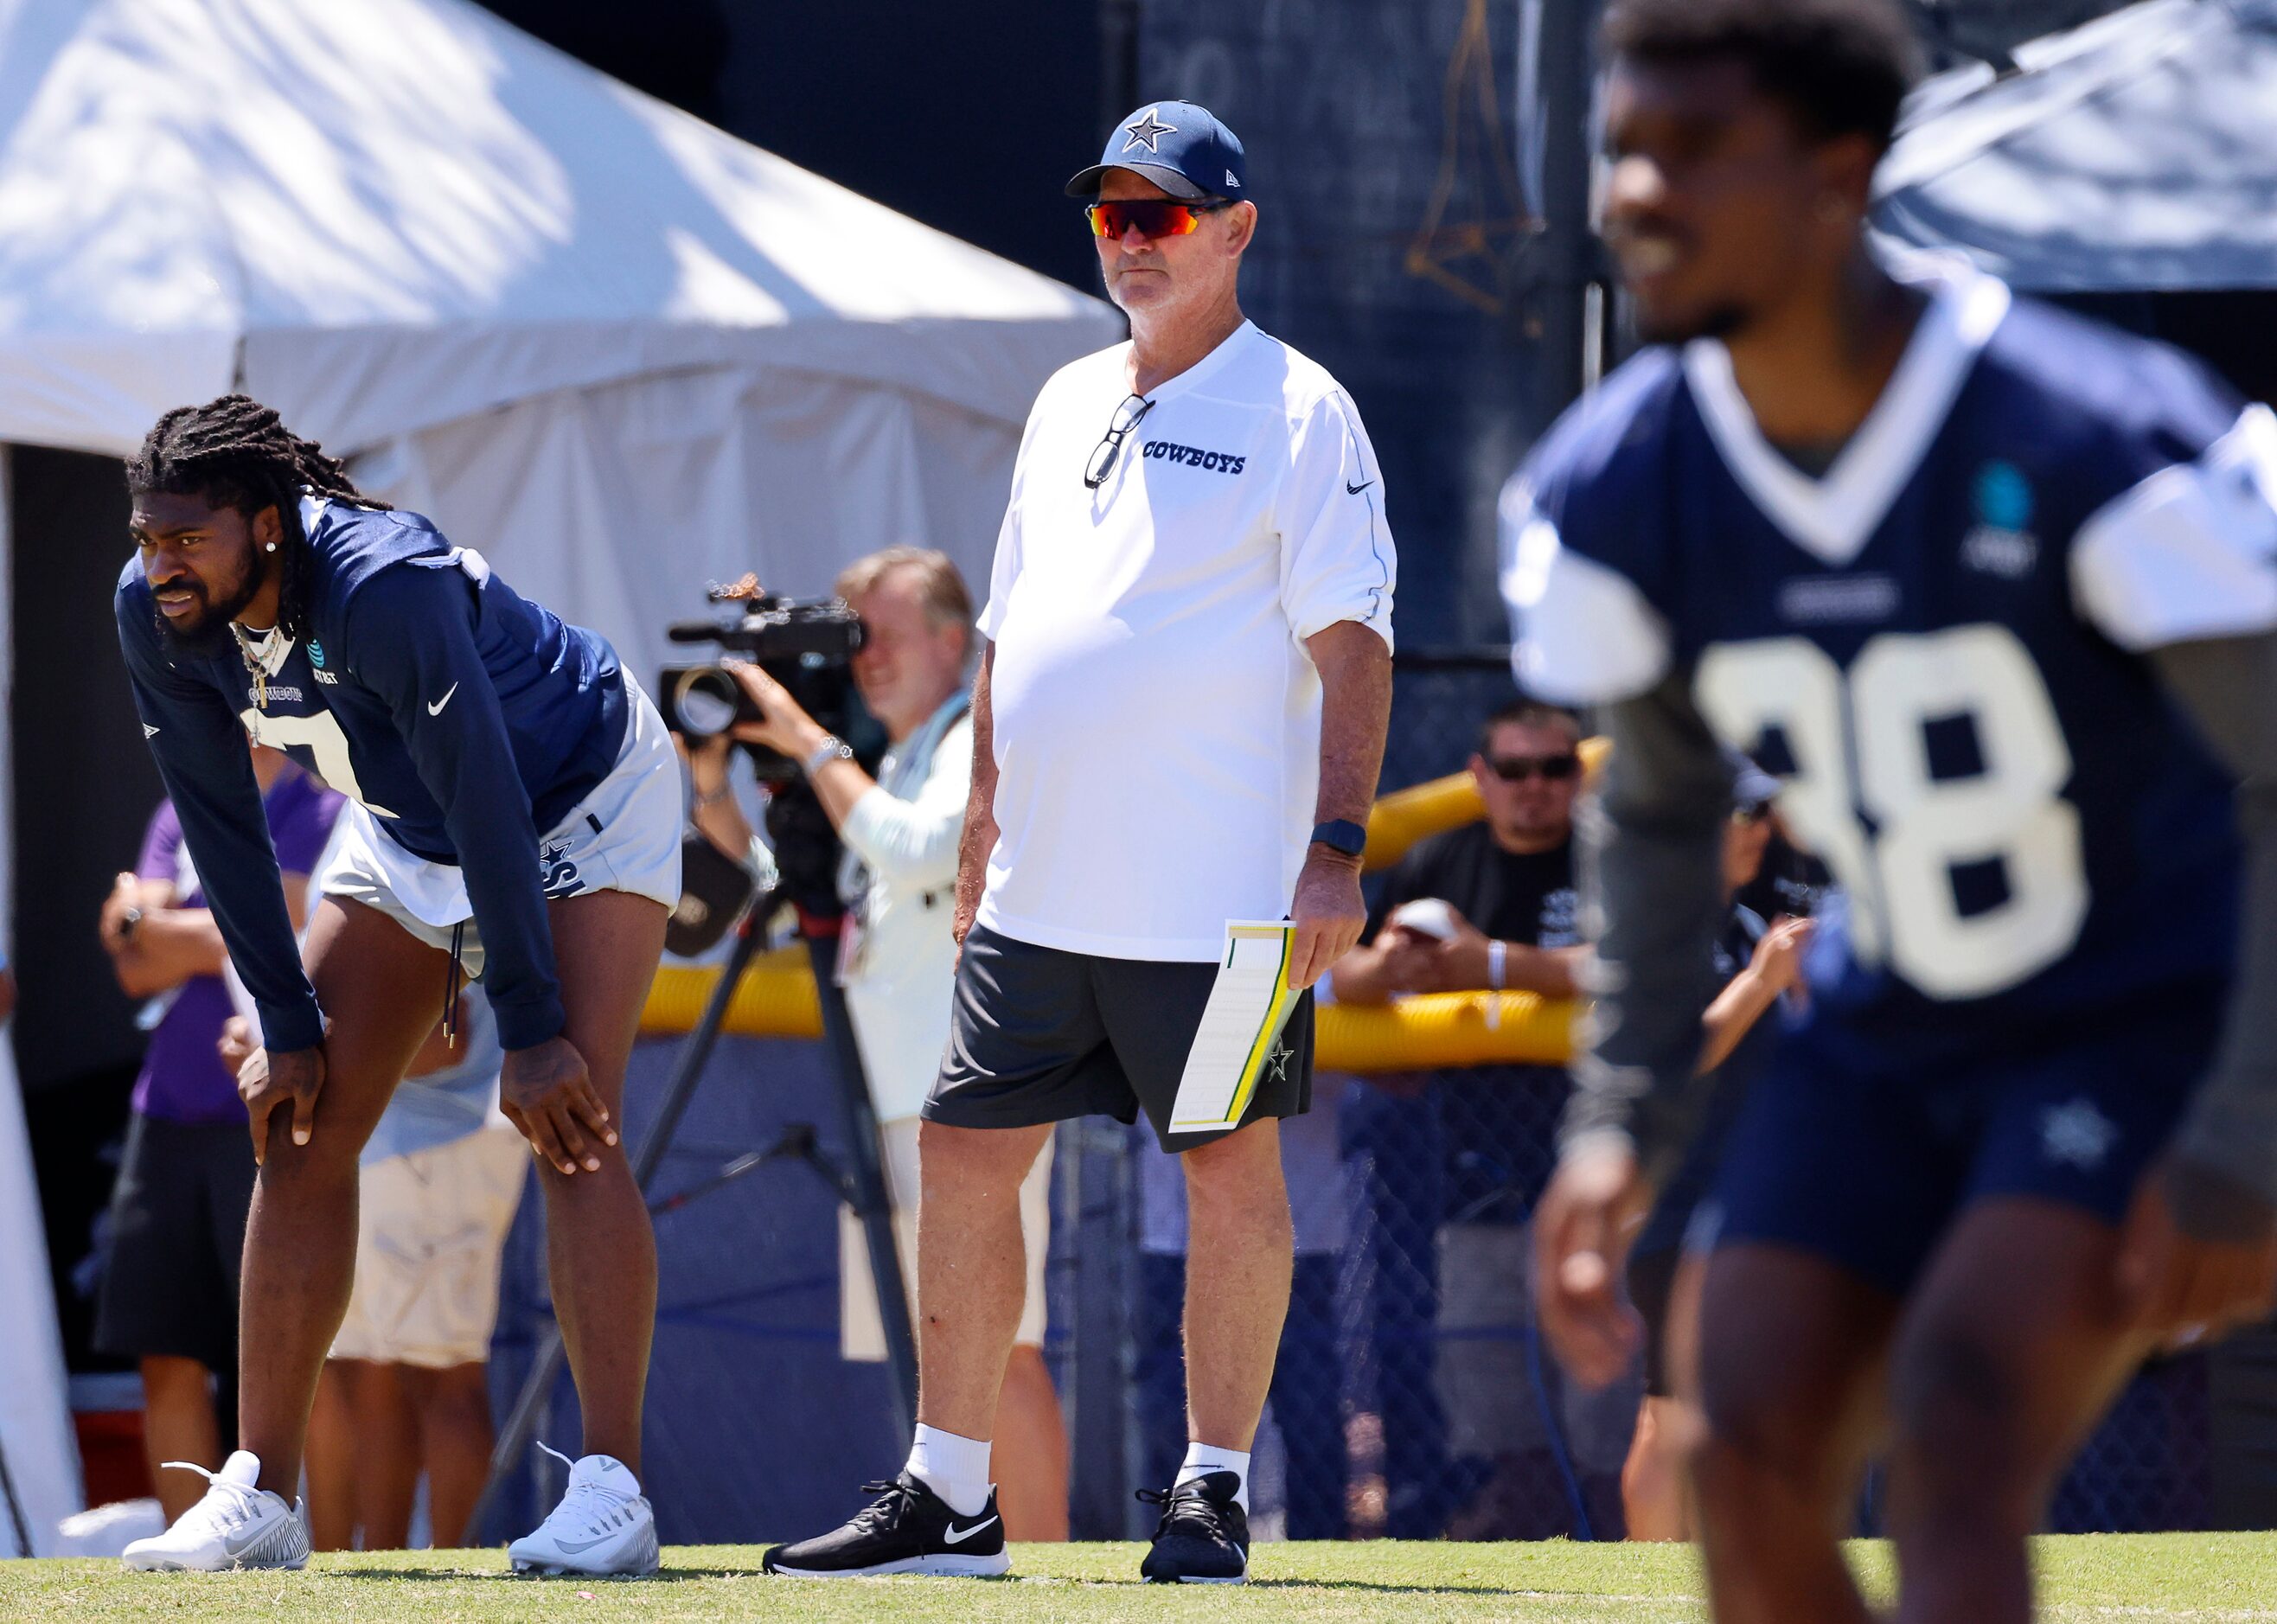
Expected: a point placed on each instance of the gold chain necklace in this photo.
(256, 652)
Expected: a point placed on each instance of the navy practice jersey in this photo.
(465, 717)
(1939, 646)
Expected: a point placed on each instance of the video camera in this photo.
(805, 644)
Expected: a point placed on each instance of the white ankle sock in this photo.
(954, 1468)
(1202, 1459)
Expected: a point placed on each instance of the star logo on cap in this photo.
(1147, 131)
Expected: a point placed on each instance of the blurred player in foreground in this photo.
(1992, 589)
(515, 809)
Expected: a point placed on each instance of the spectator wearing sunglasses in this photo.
(1506, 881)
(1177, 723)
(1464, 1153)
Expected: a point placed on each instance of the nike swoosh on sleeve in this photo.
(436, 709)
(1355, 490)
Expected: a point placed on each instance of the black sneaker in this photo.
(1204, 1536)
(906, 1529)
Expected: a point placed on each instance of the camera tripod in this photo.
(858, 1180)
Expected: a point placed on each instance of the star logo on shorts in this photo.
(1147, 131)
(557, 872)
(2075, 1132)
(1277, 1062)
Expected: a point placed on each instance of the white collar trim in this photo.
(1833, 518)
(1225, 350)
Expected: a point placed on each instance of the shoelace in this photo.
(599, 1507)
(237, 1506)
(883, 1513)
(1187, 1509)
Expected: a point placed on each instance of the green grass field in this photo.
(2197, 1577)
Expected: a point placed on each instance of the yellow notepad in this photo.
(1249, 1003)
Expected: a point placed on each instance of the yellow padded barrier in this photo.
(1399, 819)
(1435, 1030)
(778, 999)
(1422, 1033)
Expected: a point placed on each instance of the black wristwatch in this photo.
(1341, 834)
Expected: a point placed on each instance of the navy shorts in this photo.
(1039, 1034)
(1867, 1166)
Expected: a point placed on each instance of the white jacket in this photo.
(899, 971)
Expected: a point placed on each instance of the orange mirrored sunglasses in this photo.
(1150, 217)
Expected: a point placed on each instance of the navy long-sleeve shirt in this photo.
(465, 717)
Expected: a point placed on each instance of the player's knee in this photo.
(1956, 1397)
(1245, 1163)
(1750, 1436)
(1719, 1467)
(970, 1165)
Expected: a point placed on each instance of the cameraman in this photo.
(899, 881)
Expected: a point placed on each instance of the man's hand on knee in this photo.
(267, 1083)
(547, 1092)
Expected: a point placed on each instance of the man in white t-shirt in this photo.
(1178, 724)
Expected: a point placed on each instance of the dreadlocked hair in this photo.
(236, 452)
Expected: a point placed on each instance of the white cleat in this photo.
(235, 1525)
(603, 1526)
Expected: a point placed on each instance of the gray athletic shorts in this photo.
(1039, 1034)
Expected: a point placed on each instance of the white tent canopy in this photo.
(388, 217)
(399, 212)
(617, 350)
(2138, 152)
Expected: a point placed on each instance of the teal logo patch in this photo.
(2003, 496)
(2002, 545)
(316, 655)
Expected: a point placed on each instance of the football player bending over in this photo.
(515, 810)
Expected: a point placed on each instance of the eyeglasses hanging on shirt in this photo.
(1127, 417)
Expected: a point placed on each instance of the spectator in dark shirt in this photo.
(1507, 880)
(1450, 1176)
(168, 1292)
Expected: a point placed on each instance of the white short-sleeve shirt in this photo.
(1156, 716)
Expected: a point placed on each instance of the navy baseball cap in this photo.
(1179, 146)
